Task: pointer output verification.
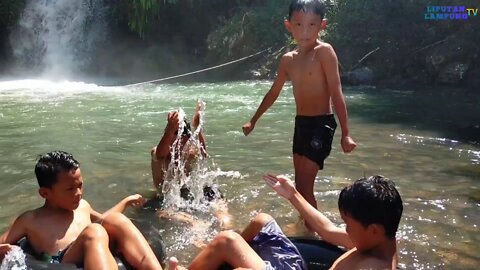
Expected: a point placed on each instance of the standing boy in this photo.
(66, 229)
(313, 70)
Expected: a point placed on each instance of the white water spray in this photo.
(181, 171)
(56, 38)
(14, 260)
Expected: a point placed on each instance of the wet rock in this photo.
(472, 78)
(363, 75)
(453, 72)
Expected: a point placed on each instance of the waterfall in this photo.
(56, 38)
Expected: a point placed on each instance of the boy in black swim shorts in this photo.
(312, 69)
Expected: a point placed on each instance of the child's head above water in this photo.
(51, 164)
(373, 200)
(317, 7)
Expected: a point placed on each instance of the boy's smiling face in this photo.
(67, 192)
(305, 27)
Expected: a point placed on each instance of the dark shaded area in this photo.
(454, 112)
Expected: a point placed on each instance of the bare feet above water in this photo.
(197, 116)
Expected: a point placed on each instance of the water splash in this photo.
(183, 170)
(56, 38)
(14, 260)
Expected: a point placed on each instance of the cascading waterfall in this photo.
(56, 38)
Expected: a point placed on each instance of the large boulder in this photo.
(453, 72)
(359, 76)
(449, 61)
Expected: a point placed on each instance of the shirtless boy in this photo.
(66, 229)
(161, 154)
(371, 209)
(313, 70)
(188, 154)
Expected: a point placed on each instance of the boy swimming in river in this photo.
(180, 147)
(313, 70)
(66, 229)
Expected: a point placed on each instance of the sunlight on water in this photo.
(14, 260)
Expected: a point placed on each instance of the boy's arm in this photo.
(163, 147)
(195, 124)
(17, 230)
(134, 200)
(334, 86)
(271, 95)
(321, 224)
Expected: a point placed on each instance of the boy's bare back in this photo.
(308, 71)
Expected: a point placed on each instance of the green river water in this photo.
(403, 135)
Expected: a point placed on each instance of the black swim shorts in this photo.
(313, 137)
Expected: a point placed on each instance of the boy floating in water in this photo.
(313, 70)
(63, 229)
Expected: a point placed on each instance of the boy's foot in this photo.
(196, 116)
(298, 228)
(173, 264)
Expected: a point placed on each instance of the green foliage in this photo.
(256, 25)
(141, 13)
(398, 28)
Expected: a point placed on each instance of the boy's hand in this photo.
(348, 144)
(281, 184)
(172, 125)
(136, 200)
(248, 127)
(4, 249)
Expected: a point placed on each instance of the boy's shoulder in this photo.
(354, 259)
(321, 48)
(28, 215)
(324, 48)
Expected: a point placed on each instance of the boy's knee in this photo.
(226, 238)
(116, 220)
(261, 219)
(94, 232)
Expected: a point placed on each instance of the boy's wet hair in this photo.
(317, 7)
(186, 128)
(51, 164)
(373, 200)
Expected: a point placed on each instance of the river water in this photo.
(407, 136)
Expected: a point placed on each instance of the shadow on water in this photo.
(453, 112)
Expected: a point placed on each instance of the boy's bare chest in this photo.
(305, 69)
(54, 233)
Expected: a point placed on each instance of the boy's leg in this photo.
(91, 249)
(227, 247)
(255, 226)
(305, 173)
(130, 242)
